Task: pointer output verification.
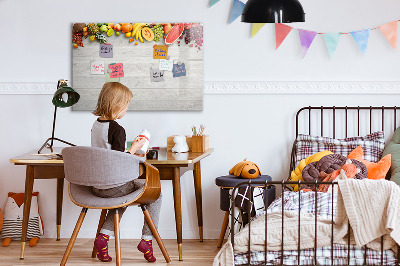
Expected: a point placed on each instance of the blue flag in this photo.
(361, 37)
(237, 9)
(332, 41)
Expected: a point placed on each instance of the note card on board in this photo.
(166, 64)
(179, 70)
(106, 50)
(97, 67)
(117, 70)
(160, 51)
(109, 79)
(156, 75)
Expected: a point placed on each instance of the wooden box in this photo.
(200, 143)
(171, 143)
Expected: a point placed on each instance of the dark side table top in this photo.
(230, 181)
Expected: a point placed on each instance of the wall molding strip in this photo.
(246, 87)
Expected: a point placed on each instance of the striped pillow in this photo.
(372, 145)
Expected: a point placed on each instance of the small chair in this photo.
(85, 167)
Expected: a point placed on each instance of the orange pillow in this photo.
(375, 170)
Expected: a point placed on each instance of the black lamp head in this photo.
(65, 96)
(273, 11)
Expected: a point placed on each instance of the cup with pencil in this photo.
(199, 140)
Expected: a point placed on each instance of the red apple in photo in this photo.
(117, 27)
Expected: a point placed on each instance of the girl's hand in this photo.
(137, 144)
(142, 155)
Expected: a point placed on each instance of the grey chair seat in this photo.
(83, 196)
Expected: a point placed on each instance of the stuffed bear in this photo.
(13, 215)
(245, 169)
(180, 144)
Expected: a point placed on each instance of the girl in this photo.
(112, 104)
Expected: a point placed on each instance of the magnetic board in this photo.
(180, 87)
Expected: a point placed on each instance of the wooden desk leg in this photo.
(199, 204)
(27, 206)
(60, 190)
(176, 183)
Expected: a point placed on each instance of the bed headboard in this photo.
(344, 121)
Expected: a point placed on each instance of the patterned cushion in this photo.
(372, 144)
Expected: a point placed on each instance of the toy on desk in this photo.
(144, 134)
(13, 216)
(245, 169)
(180, 144)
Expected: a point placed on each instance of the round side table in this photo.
(228, 182)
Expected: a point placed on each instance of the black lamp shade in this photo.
(273, 11)
(73, 96)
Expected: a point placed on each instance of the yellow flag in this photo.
(256, 27)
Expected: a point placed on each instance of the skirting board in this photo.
(250, 87)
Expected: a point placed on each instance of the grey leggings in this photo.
(154, 208)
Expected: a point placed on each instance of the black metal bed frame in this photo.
(283, 184)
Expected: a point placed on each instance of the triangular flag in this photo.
(332, 41)
(306, 39)
(281, 31)
(361, 37)
(237, 9)
(390, 32)
(255, 28)
(213, 2)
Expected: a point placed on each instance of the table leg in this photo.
(60, 190)
(27, 206)
(176, 183)
(199, 205)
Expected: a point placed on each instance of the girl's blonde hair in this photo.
(113, 97)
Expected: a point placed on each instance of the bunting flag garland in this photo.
(361, 37)
(306, 39)
(237, 8)
(281, 31)
(389, 30)
(256, 27)
(213, 2)
(332, 41)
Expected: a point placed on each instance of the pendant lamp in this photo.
(64, 96)
(273, 11)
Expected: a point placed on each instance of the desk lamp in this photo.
(272, 11)
(64, 96)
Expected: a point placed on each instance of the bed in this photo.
(312, 210)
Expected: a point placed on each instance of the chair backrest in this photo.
(92, 166)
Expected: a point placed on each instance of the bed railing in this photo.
(265, 185)
(345, 118)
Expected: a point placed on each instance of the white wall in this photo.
(35, 45)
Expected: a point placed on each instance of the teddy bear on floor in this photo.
(13, 215)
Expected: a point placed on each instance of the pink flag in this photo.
(306, 39)
(281, 31)
(389, 30)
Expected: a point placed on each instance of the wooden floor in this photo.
(50, 252)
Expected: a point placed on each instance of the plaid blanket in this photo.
(323, 205)
(340, 254)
